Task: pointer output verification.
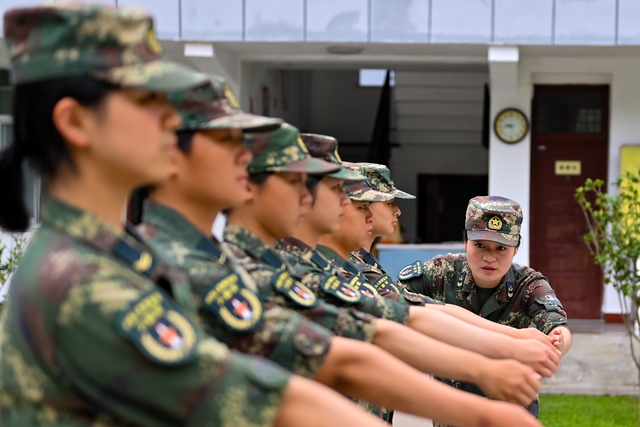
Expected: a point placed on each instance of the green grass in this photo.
(557, 410)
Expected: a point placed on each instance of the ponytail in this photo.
(36, 140)
(14, 215)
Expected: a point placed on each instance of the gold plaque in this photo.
(568, 167)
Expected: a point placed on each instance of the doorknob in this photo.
(541, 147)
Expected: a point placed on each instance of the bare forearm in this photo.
(451, 330)
(427, 354)
(307, 403)
(473, 319)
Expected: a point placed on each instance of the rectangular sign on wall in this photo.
(630, 159)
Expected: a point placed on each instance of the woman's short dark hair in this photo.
(36, 139)
(465, 238)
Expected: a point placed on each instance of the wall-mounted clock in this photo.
(511, 125)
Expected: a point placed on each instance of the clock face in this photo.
(511, 125)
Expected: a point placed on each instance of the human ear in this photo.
(73, 122)
(516, 251)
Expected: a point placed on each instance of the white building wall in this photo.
(509, 165)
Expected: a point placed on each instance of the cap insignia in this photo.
(495, 223)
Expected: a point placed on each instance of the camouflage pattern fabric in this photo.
(299, 257)
(379, 178)
(282, 150)
(326, 148)
(90, 340)
(524, 296)
(361, 190)
(282, 335)
(494, 218)
(249, 250)
(347, 269)
(116, 45)
(213, 106)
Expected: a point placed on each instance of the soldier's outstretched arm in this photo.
(451, 330)
(480, 322)
(309, 404)
(506, 380)
(363, 370)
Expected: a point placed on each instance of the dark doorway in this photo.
(442, 203)
(569, 143)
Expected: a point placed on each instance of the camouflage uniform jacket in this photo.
(240, 320)
(347, 270)
(522, 297)
(275, 283)
(88, 339)
(311, 268)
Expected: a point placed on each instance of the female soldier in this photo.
(88, 338)
(178, 222)
(485, 281)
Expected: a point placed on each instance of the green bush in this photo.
(9, 262)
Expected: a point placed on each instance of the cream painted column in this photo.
(510, 165)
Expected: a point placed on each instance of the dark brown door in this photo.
(569, 143)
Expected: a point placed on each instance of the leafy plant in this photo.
(10, 263)
(614, 241)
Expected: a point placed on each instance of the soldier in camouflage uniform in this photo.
(385, 218)
(97, 330)
(486, 281)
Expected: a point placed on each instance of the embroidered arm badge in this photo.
(233, 303)
(154, 324)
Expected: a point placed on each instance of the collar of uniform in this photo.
(506, 288)
(296, 247)
(80, 224)
(465, 280)
(172, 222)
(331, 255)
(245, 240)
(357, 256)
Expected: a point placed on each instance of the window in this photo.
(31, 180)
(375, 78)
(569, 111)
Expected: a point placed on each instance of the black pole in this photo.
(380, 148)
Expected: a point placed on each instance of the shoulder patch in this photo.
(233, 303)
(158, 329)
(385, 283)
(296, 291)
(342, 290)
(412, 270)
(360, 283)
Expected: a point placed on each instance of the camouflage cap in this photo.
(326, 148)
(494, 218)
(213, 106)
(282, 150)
(362, 190)
(116, 45)
(379, 178)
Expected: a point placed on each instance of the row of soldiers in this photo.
(161, 324)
